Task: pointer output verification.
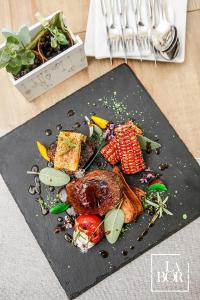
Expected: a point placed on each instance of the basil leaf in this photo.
(144, 142)
(52, 177)
(113, 223)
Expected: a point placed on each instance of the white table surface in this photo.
(26, 275)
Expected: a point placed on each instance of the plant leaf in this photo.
(14, 70)
(27, 57)
(13, 43)
(52, 177)
(4, 58)
(113, 223)
(8, 32)
(144, 142)
(54, 43)
(24, 35)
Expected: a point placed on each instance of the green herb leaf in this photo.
(54, 43)
(4, 58)
(24, 35)
(13, 43)
(27, 57)
(59, 36)
(70, 144)
(144, 142)
(52, 177)
(113, 223)
(59, 207)
(14, 70)
(8, 32)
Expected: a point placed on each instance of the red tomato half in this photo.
(91, 226)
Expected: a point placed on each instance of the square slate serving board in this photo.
(76, 271)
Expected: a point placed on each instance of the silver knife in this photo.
(104, 12)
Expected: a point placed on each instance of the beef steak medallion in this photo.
(95, 193)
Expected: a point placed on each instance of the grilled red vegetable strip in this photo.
(129, 150)
(136, 129)
(110, 152)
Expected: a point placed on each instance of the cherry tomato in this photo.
(91, 226)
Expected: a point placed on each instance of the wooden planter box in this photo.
(53, 71)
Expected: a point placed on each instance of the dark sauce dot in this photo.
(145, 232)
(51, 188)
(32, 190)
(35, 168)
(60, 219)
(158, 151)
(77, 125)
(163, 166)
(68, 238)
(132, 247)
(70, 113)
(59, 127)
(50, 164)
(124, 252)
(48, 132)
(103, 253)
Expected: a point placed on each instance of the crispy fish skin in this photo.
(68, 150)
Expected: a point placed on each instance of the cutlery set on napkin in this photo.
(137, 29)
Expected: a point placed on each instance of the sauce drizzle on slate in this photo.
(48, 132)
(70, 113)
(163, 166)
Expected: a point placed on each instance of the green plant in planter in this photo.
(58, 36)
(14, 55)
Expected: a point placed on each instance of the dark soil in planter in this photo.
(47, 51)
(26, 69)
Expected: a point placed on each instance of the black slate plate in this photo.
(76, 271)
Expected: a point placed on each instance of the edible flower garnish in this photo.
(146, 177)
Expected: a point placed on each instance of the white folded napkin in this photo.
(96, 36)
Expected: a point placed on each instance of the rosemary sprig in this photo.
(160, 205)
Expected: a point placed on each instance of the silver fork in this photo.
(104, 12)
(129, 34)
(143, 37)
(114, 33)
(124, 44)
